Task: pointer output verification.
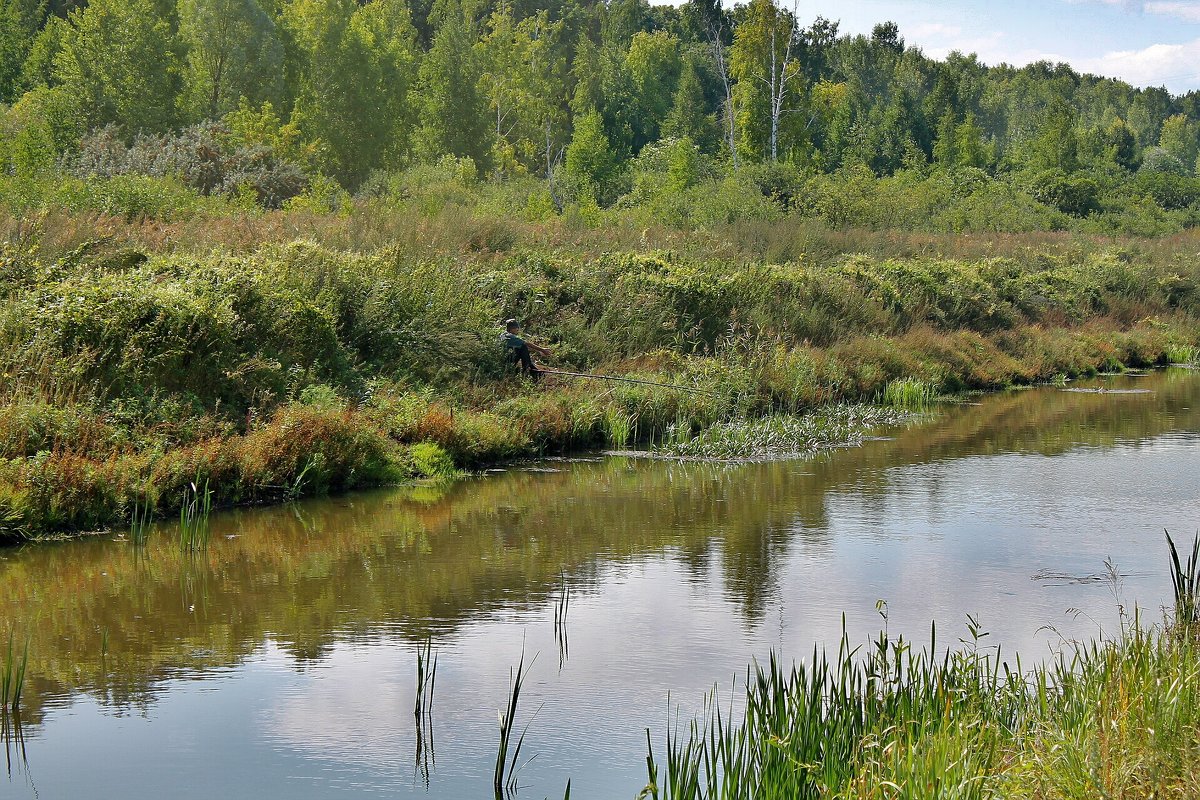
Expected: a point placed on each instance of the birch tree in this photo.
(764, 61)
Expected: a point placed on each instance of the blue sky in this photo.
(1148, 43)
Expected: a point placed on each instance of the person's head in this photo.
(512, 326)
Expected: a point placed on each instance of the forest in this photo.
(694, 114)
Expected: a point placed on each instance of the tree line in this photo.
(569, 91)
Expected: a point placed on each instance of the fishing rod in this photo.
(565, 374)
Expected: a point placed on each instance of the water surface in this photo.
(281, 663)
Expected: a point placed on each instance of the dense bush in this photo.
(300, 368)
(204, 157)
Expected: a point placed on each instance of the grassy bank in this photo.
(285, 370)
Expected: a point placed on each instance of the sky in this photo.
(1145, 42)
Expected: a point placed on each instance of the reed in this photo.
(426, 676)
(618, 428)
(1182, 354)
(908, 394)
(1185, 581)
(505, 777)
(560, 618)
(1109, 718)
(141, 521)
(194, 512)
(423, 709)
(12, 677)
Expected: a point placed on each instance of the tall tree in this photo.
(120, 61)
(690, 116)
(19, 23)
(653, 63)
(590, 162)
(1179, 139)
(454, 118)
(233, 51)
(764, 60)
(359, 65)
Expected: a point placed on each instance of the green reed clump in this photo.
(1106, 718)
(781, 436)
(618, 427)
(1185, 581)
(12, 677)
(1182, 354)
(908, 394)
(194, 514)
(1116, 719)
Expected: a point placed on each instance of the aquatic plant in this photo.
(1111, 718)
(1185, 581)
(194, 514)
(782, 436)
(1182, 354)
(426, 676)
(908, 394)
(141, 520)
(423, 708)
(560, 618)
(505, 779)
(618, 427)
(12, 677)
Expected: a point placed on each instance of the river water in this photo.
(282, 662)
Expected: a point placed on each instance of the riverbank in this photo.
(298, 369)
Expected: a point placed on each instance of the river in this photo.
(281, 663)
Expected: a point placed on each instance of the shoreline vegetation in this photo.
(263, 247)
(1115, 717)
(132, 376)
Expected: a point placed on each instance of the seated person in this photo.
(516, 349)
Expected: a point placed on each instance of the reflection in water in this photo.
(287, 652)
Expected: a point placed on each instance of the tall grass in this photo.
(908, 394)
(1108, 718)
(12, 677)
(1182, 354)
(618, 427)
(1185, 581)
(507, 764)
(194, 512)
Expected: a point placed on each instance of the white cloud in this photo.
(1187, 10)
(1176, 66)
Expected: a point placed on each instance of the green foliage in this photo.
(431, 461)
(453, 119)
(591, 164)
(301, 369)
(1070, 194)
(19, 24)
(233, 54)
(1115, 717)
(359, 63)
(120, 62)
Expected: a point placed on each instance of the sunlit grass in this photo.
(1106, 718)
(782, 436)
